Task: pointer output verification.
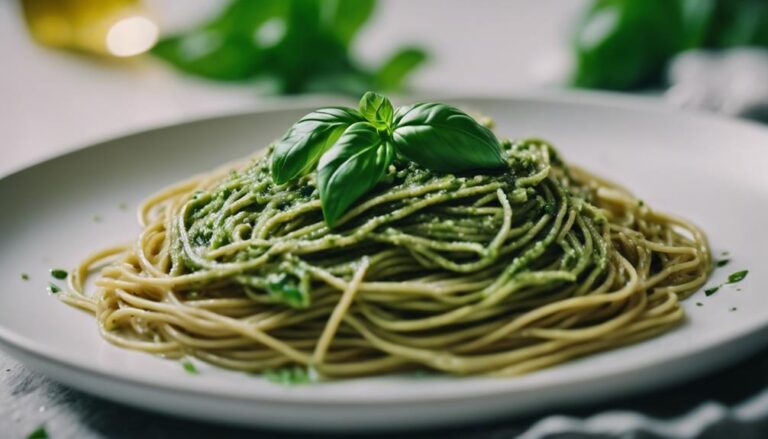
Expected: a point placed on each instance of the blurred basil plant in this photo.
(626, 44)
(296, 46)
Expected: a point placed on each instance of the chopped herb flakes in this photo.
(24, 276)
(699, 304)
(53, 288)
(722, 262)
(732, 279)
(733, 309)
(58, 273)
(39, 433)
(288, 376)
(550, 208)
(737, 276)
(96, 218)
(189, 367)
(122, 206)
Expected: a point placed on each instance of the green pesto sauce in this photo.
(245, 204)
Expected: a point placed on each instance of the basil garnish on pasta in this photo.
(355, 147)
(351, 168)
(301, 148)
(377, 110)
(444, 138)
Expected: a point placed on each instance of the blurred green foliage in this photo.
(626, 44)
(297, 46)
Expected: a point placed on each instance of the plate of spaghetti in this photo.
(375, 266)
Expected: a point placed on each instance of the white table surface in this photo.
(52, 101)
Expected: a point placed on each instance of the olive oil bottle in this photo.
(105, 27)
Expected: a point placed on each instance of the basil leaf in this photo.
(393, 73)
(351, 168)
(308, 139)
(444, 138)
(377, 109)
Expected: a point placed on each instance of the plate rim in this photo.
(600, 98)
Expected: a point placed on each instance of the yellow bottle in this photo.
(110, 27)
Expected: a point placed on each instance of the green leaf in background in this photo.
(624, 44)
(232, 45)
(337, 82)
(346, 17)
(627, 44)
(307, 50)
(740, 23)
(393, 73)
(297, 45)
(697, 18)
(377, 109)
(444, 138)
(351, 168)
(304, 143)
(263, 21)
(212, 54)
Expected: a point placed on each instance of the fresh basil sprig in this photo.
(351, 168)
(301, 147)
(377, 110)
(444, 138)
(353, 149)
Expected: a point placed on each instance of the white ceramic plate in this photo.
(709, 170)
